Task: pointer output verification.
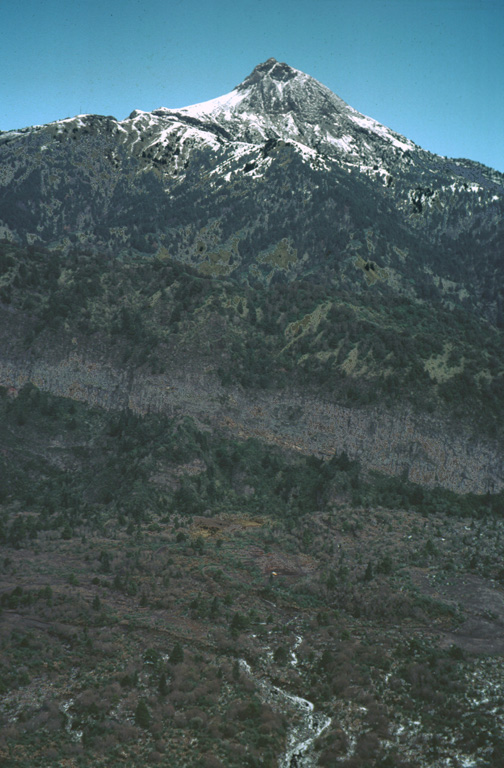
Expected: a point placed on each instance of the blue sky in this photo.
(430, 69)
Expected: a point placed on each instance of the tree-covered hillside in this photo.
(367, 346)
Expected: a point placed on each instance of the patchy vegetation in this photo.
(369, 346)
(142, 558)
(173, 596)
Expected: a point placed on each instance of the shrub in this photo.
(177, 654)
(142, 715)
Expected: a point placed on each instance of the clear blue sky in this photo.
(430, 69)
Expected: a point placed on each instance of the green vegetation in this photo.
(372, 345)
(141, 557)
(162, 583)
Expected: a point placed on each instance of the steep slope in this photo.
(278, 102)
(251, 432)
(228, 186)
(408, 388)
(273, 236)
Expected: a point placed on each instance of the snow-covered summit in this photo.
(272, 88)
(274, 103)
(278, 101)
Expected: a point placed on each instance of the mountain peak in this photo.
(277, 101)
(276, 70)
(272, 88)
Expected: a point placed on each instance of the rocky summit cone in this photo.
(275, 87)
(275, 180)
(278, 101)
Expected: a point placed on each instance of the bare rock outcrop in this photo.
(421, 447)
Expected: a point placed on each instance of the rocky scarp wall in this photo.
(427, 450)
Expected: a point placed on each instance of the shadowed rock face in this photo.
(422, 448)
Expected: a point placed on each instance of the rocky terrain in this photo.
(398, 442)
(251, 440)
(228, 186)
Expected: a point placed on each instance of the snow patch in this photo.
(254, 120)
(290, 125)
(371, 125)
(344, 142)
(222, 104)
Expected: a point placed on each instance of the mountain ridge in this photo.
(251, 440)
(271, 88)
(306, 253)
(224, 185)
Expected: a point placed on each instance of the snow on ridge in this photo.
(182, 133)
(343, 142)
(226, 103)
(380, 130)
(290, 124)
(197, 133)
(280, 86)
(78, 118)
(135, 114)
(306, 151)
(255, 121)
(163, 129)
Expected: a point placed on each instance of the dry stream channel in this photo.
(307, 725)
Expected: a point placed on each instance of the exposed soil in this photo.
(481, 603)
